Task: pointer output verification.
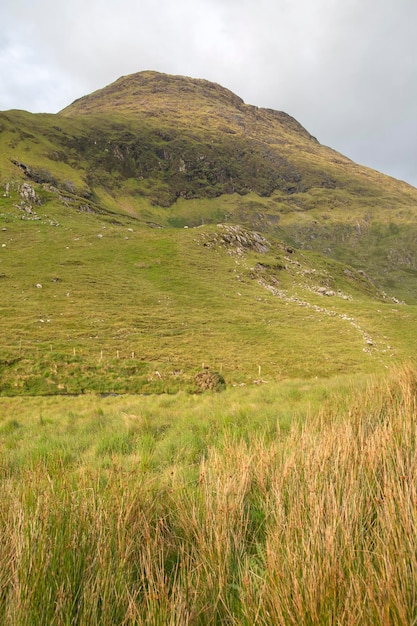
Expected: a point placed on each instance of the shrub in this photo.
(207, 380)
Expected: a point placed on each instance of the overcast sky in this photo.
(345, 69)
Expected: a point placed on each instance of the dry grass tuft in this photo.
(314, 527)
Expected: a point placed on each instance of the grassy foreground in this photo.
(286, 504)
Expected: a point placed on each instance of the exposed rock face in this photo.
(29, 199)
(29, 195)
(238, 239)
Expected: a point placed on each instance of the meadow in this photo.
(284, 503)
(98, 303)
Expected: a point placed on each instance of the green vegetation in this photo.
(104, 304)
(161, 229)
(287, 504)
(205, 416)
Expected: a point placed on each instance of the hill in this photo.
(162, 234)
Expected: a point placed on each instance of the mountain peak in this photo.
(147, 90)
(188, 103)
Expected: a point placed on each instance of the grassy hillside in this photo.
(102, 302)
(161, 228)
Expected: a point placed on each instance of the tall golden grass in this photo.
(314, 526)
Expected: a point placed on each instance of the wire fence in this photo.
(71, 351)
(66, 350)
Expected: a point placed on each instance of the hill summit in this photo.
(200, 139)
(166, 137)
(146, 90)
(147, 94)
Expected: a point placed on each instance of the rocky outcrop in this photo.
(237, 239)
(29, 195)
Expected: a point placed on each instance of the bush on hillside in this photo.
(207, 380)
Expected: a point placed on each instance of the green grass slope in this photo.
(105, 303)
(161, 233)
